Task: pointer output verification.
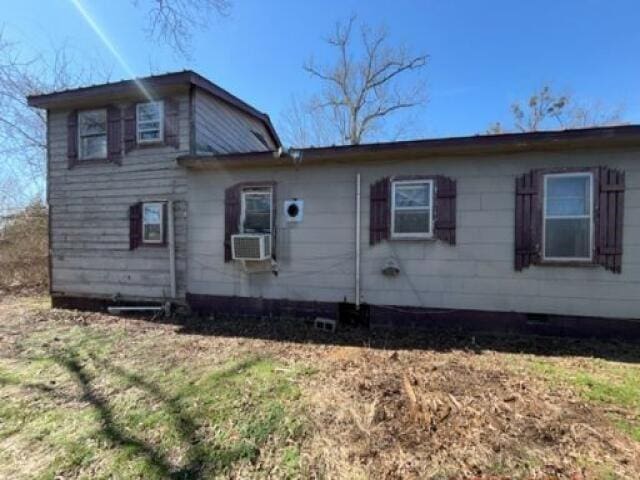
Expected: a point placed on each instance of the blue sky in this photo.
(483, 54)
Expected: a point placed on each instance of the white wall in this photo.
(316, 257)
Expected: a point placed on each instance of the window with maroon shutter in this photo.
(130, 128)
(114, 134)
(231, 217)
(445, 210)
(171, 131)
(569, 216)
(527, 220)
(72, 138)
(135, 225)
(609, 219)
(379, 211)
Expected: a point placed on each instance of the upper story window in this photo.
(153, 222)
(411, 209)
(256, 215)
(149, 124)
(92, 134)
(568, 216)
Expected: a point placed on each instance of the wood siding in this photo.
(89, 207)
(220, 128)
(316, 256)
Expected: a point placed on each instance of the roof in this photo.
(618, 136)
(123, 87)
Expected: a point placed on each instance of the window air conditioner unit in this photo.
(251, 246)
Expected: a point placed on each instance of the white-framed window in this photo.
(153, 222)
(412, 209)
(92, 134)
(257, 210)
(568, 217)
(150, 122)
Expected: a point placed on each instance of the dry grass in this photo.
(298, 404)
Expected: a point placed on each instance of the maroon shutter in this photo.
(445, 210)
(165, 222)
(231, 218)
(609, 218)
(130, 139)
(135, 225)
(274, 219)
(171, 133)
(114, 134)
(379, 211)
(528, 218)
(72, 138)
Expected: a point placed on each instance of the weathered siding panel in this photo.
(89, 207)
(316, 257)
(221, 128)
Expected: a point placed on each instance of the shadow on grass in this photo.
(200, 455)
(439, 340)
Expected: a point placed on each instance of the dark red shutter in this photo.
(114, 134)
(135, 225)
(171, 131)
(379, 211)
(165, 222)
(274, 219)
(72, 138)
(130, 139)
(231, 218)
(528, 218)
(609, 218)
(445, 210)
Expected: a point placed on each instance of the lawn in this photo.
(87, 395)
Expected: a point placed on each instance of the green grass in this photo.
(606, 383)
(91, 403)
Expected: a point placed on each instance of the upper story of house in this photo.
(180, 112)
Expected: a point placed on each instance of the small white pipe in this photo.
(357, 299)
(172, 249)
(134, 309)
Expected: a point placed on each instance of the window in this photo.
(568, 216)
(149, 122)
(153, 222)
(256, 210)
(411, 209)
(92, 134)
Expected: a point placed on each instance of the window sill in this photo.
(412, 239)
(568, 263)
(93, 161)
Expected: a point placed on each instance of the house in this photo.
(169, 188)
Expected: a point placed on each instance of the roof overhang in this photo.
(157, 86)
(605, 137)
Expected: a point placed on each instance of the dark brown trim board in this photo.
(389, 317)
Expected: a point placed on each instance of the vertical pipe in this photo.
(357, 299)
(172, 249)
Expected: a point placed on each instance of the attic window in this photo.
(92, 134)
(260, 138)
(149, 124)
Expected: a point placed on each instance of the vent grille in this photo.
(251, 247)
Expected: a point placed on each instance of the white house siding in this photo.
(316, 257)
(221, 128)
(89, 207)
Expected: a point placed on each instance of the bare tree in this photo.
(23, 129)
(173, 21)
(362, 90)
(546, 109)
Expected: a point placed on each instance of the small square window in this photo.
(92, 134)
(153, 222)
(256, 210)
(412, 209)
(568, 216)
(149, 122)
